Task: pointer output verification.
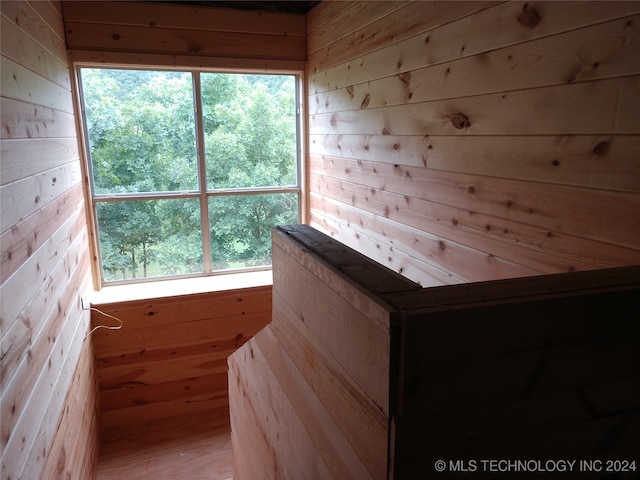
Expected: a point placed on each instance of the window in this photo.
(189, 170)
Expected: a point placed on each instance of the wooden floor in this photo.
(194, 447)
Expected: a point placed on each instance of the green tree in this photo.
(141, 131)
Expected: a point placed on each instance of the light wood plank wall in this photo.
(132, 33)
(468, 141)
(170, 356)
(310, 393)
(49, 425)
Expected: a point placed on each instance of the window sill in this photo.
(180, 287)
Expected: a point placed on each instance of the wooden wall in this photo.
(373, 377)
(49, 420)
(183, 35)
(170, 356)
(466, 141)
(543, 367)
(309, 394)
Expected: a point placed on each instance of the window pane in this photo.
(241, 227)
(250, 130)
(141, 130)
(152, 238)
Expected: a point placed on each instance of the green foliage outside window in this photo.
(141, 130)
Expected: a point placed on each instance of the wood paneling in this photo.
(313, 386)
(182, 34)
(169, 357)
(542, 367)
(458, 138)
(48, 403)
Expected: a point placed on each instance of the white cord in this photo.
(108, 327)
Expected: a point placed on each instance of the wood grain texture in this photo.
(75, 449)
(314, 384)
(523, 370)
(450, 34)
(194, 446)
(184, 31)
(532, 127)
(185, 17)
(543, 366)
(170, 356)
(48, 395)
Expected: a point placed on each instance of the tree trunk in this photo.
(144, 259)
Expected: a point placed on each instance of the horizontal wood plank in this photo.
(353, 18)
(35, 57)
(155, 411)
(25, 197)
(26, 16)
(24, 120)
(170, 356)
(25, 238)
(76, 445)
(400, 247)
(183, 17)
(450, 33)
(596, 215)
(599, 161)
(24, 158)
(551, 110)
(144, 394)
(42, 411)
(603, 51)
(225, 64)
(49, 422)
(324, 12)
(185, 42)
(400, 24)
(47, 347)
(27, 329)
(20, 83)
(34, 275)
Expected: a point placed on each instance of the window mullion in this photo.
(202, 174)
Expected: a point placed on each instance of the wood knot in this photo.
(365, 102)
(405, 78)
(601, 148)
(529, 17)
(115, 36)
(459, 121)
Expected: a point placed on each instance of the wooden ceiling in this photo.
(290, 6)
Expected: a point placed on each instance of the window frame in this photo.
(202, 194)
